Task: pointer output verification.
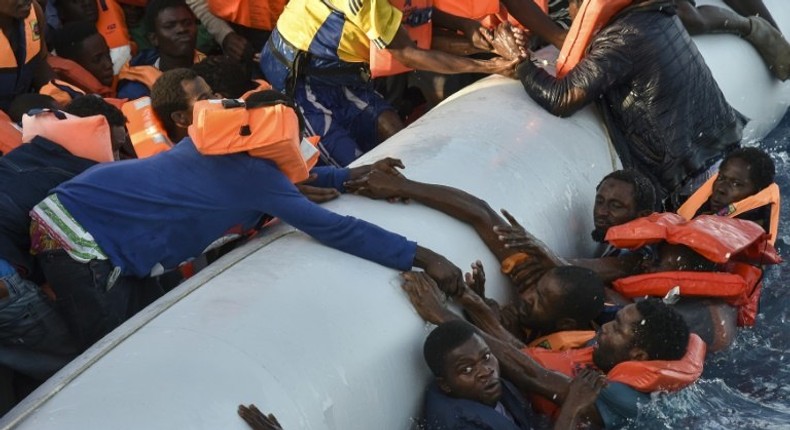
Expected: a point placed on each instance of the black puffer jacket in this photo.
(665, 113)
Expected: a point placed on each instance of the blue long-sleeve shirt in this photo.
(170, 207)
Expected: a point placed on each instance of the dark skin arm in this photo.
(406, 52)
(257, 420)
(477, 37)
(519, 368)
(751, 7)
(579, 408)
(531, 16)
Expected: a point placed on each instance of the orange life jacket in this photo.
(147, 74)
(87, 137)
(10, 134)
(262, 15)
(147, 133)
(767, 196)
(472, 9)
(593, 15)
(73, 73)
(562, 340)
(112, 26)
(272, 132)
(32, 43)
(417, 22)
(642, 376)
(261, 86)
(718, 239)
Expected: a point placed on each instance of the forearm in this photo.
(437, 61)
(610, 269)
(453, 43)
(483, 317)
(217, 27)
(557, 96)
(532, 17)
(751, 7)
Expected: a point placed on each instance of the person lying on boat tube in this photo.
(743, 188)
(102, 237)
(647, 348)
(664, 111)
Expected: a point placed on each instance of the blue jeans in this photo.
(91, 297)
(34, 339)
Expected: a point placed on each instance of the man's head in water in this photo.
(646, 330)
(565, 298)
(744, 172)
(462, 363)
(620, 197)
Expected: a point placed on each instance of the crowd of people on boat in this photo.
(131, 130)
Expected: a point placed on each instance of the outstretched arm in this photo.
(451, 201)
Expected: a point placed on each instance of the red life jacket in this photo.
(727, 241)
(261, 15)
(642, 376)
(769, 195)
(417, 22)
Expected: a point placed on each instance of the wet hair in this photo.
(91, 105)
(662, 332)
(583, 292)
(442, 340)
(224, 76)
(23, 103)
(644, 190)
(168, 95)
(155, 7)
(68, 40)
(762, 169)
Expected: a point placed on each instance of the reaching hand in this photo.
(377, 185)
(509, 42)
(446, 274)
(389, 166)
(425, 297)
(316, 194)
(502, 66)
(477, 279)
(257, 420)
(481, 38)
(579, 404)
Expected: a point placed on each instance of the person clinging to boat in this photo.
(663, 109)
(630, 356)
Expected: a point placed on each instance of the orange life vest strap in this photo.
(729, 287)
(417, 22)
(146, 75)
(716, 238)
(73, 73)
(261, 15)
(87, 137)
(271, 132)
(769, 195)
(593, 15)
(32, 42)
(10, 134)
(563, 340)
(62, 92)
(147, 133)
(261, 86)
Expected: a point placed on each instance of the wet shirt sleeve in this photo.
(617, 403)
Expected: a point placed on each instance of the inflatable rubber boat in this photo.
(329, 341)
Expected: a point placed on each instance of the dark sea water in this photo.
(748, 385)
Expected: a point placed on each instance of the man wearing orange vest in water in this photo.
(664, 111)
(743, 188)
(647, 348)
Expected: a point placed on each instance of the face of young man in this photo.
(614, 205)
(94, 56)
(539, 307)
(733, 184)
(196, 89)
(472, 373)
(17, 9)
(615, 340)
(175, 33)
